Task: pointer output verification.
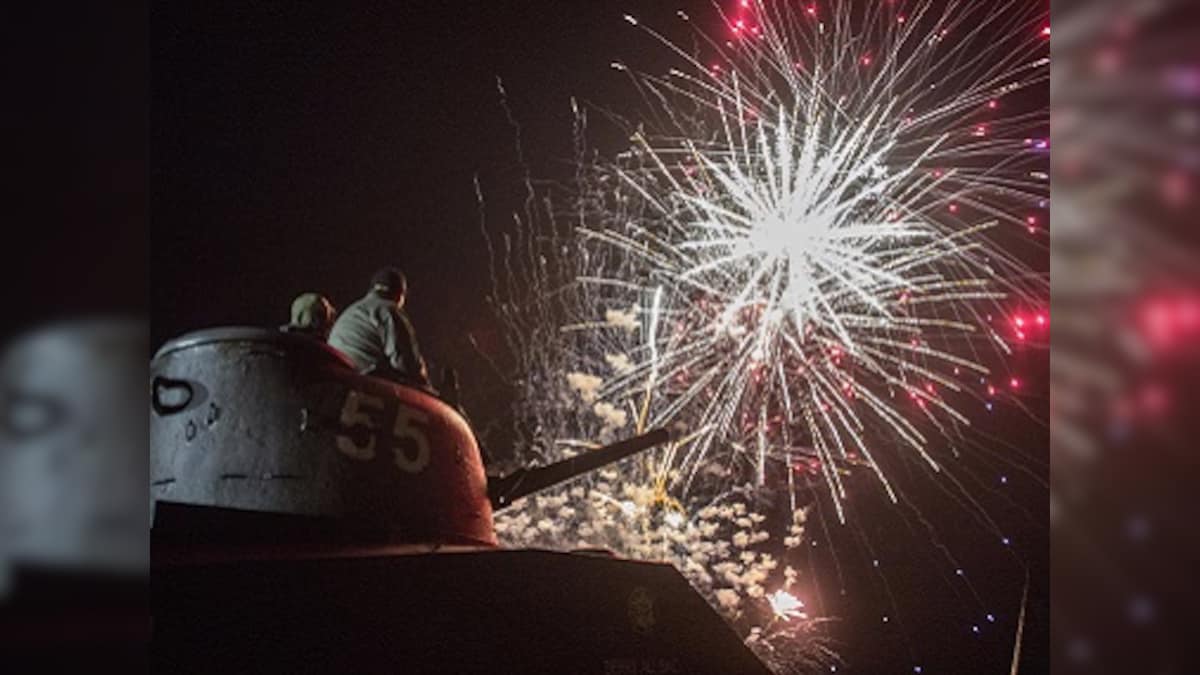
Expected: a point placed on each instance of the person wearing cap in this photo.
(312, 315)
(375, 333)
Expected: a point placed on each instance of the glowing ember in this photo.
(786, 606)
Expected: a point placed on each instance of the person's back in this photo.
(359, 331)
(375, 333)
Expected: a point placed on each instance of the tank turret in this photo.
(269, 423)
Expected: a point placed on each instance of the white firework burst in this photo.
(816, 235)
(814, 257)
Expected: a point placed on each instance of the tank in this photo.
(310, 518)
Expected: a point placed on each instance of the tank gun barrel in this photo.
(504, 491)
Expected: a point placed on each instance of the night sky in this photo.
(298, 147)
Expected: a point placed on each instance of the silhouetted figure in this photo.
(376, 334)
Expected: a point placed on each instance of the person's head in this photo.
(391, 283)
(312, 313)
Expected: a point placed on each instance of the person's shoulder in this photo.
(366, 302)
(373, 308)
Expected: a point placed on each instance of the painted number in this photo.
(356, 412)
(404, 429)
(362, 410)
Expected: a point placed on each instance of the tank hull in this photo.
(487, 611)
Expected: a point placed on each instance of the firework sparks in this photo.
(814, 248)
(786, 606)
(808, 261)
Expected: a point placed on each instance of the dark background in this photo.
(298, 147)
(74, 183)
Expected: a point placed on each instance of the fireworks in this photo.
(814, 240)
(720, 548)
(814, 260)
(786, 606)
